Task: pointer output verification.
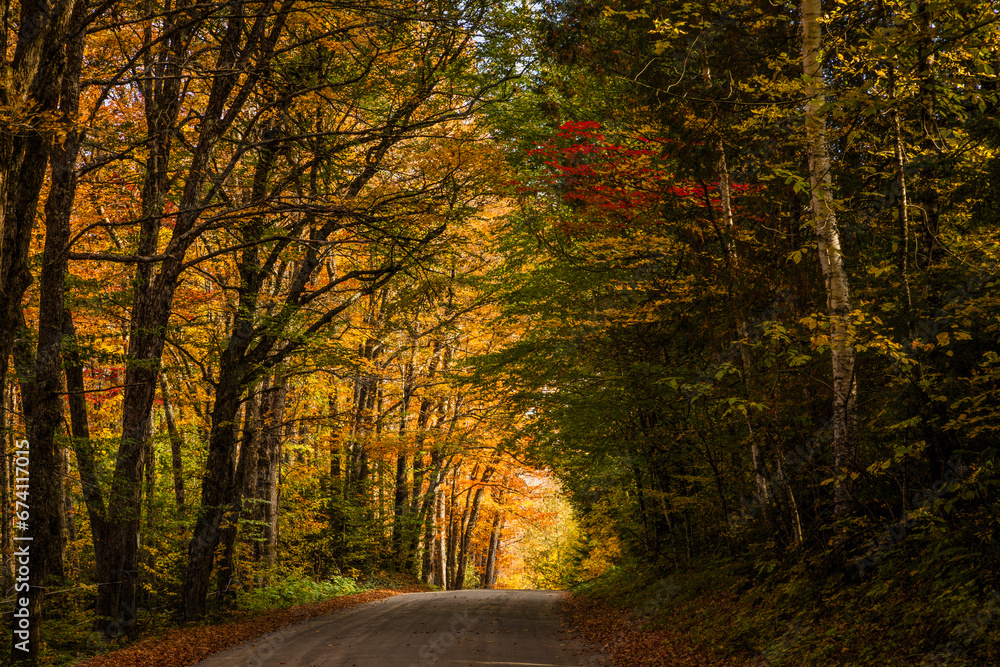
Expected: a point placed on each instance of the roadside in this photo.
(181, 647)
(716, 614)
(631, 641)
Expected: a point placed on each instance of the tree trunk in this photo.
(45, 497)
(440, 569)
(69, 517)
(153, 294)
(268, 456)
(401, 495)
(489, 575)
(26, 90)
(90, 484)
(245, 483)
(830, 255)
(430, 530)
(150, 495)
(418, 498)
(6, 484)
(176, 446)
(470, 526)
(437, 473)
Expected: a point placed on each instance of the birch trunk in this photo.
(830, 255)
(440, 548)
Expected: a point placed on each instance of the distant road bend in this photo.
(477, 627)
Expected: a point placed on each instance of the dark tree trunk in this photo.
(244, 483)
(419, 499)
(26, 88)
(437, 473)
(218, 485)
(470, 526)
(248, 54)
(150, 494)
(490, 573)
(152, 300)
(430, 529)
(45, 525)
(82, 447)
(268, 458)
(6, 485)
(401, 494)
(176, 446)
(69, 518)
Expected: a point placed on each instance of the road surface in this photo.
(447, 628)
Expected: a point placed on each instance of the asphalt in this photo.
(447, 628)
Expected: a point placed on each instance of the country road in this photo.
(477, 627)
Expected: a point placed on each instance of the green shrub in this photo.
(294, 590)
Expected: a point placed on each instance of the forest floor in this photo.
(712, 614)
(631, 641)
(185, 646)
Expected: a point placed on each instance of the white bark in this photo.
(830, 256)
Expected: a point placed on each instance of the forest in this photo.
(689, 305)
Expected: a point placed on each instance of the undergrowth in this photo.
(917, 609)
(68, 627)
(295, 590)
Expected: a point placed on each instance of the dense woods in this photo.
(298, 291)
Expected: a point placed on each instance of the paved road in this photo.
(448, 628)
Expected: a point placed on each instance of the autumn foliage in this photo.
(625, 182)
(501, 294)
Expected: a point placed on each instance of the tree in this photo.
(830, 254)
(59, 62)
(27, 97)
(397, 221)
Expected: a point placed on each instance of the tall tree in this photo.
(824, 220)
(46, 487)
(27, 97)
(242, 55)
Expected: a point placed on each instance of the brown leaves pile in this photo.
(186, 646)
(629, 643)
